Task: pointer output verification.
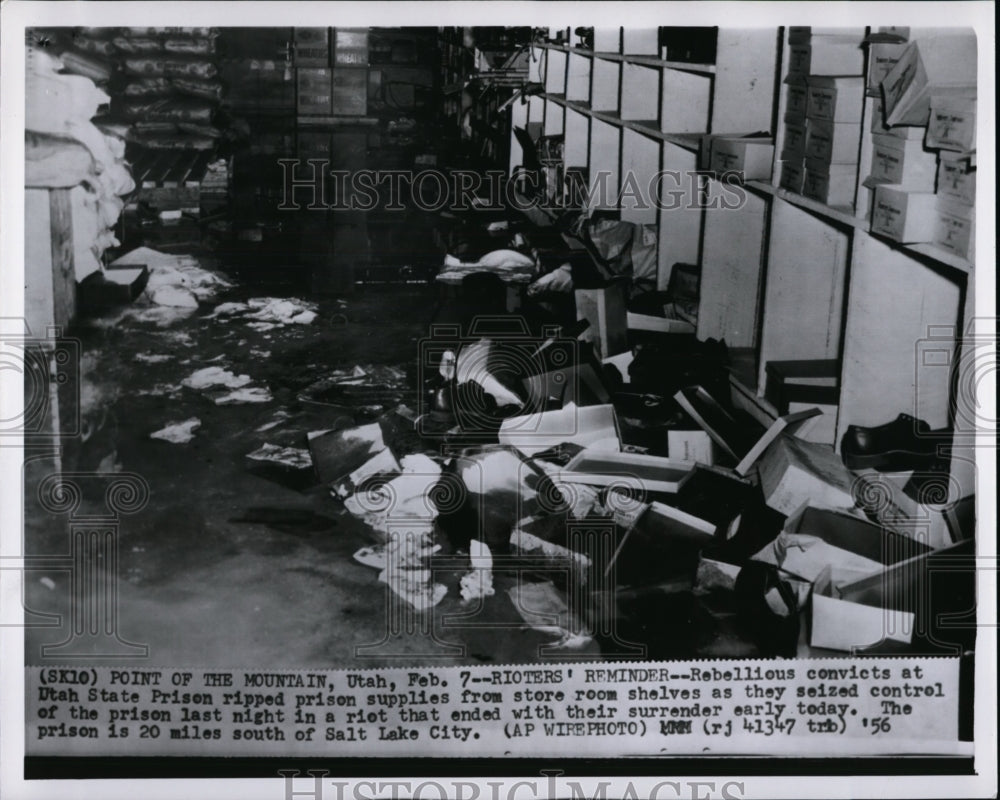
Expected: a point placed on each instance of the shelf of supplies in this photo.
(842, 216)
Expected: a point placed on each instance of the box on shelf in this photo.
(955, 179)
(795, 140)
(903, 214)
(899, 131)
(792, 175)
(315, 90)
(837, 99)
(753, 156)
(350, 47)
(312, 47)
(798, 59)
(797, 99)
(952, 123)
(955, 229)
(828, 55)
(833, 184)
(882, 57)
(937, 65)
(903, 161)
(350, 91)
(833, 142)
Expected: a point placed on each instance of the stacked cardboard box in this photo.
(823, 110)
(923, 153)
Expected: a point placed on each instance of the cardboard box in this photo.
(882, 57)
(798, 59)
(938, 65)
(833, 184)
(691, 446)
(833, 142)
(903, 162)
(837, 623)
(793, 471)
(350, 47)
(955, 180)
(604, 309)
(312, 47)
(792, 175)
(955, 229)
(952, 124)
(751, 156)
(796, 100)
(587, 425)
(315, 91)
(903, 214)
(662, 542)
(795, 140)
(647, 322)
(827, 55)
(836, 99)
(350, 91)
(849, 531)
(638, 472)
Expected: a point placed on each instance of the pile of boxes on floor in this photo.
(581, 488)
(64, 149)
(924, 141)
(824, 103)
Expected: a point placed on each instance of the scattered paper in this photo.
(287, 456)
(178, 432)
(248, 394)
(208, 377)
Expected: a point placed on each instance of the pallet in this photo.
(170, 180)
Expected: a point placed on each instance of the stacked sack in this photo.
(172, 90)
(65, 149)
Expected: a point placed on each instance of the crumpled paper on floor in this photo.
(178, 432)
(403, 500)
(477, 583)
(210, 377)
(247, 394)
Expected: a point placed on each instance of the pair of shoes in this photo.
(906, 443)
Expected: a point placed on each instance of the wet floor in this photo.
(197, 585)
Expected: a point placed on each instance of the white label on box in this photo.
(955, 234)
(951, 129)
(694, 446)
(954, 180)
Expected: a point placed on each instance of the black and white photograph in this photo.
(498, 400)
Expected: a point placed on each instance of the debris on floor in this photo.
(211, 377)
(245, 394)
(178, 432)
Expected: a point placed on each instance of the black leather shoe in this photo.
(906, 443)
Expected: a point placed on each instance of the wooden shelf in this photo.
(650, 128)
(842, 216)
(644, 60)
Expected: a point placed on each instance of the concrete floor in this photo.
(202, 590)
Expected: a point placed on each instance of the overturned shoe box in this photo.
(594, 426)
(888, 499)
(793, 471)
(832, 550)
(336, 453)
(659, 544)
(930, 598)
(733, 438)
(638, 472)
(561, 374)
(289, 466)
(794, 386)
